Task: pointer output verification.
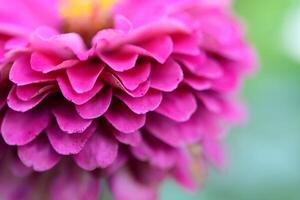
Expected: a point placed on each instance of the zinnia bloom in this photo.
(126, 91)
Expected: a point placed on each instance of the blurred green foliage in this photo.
(264, 154)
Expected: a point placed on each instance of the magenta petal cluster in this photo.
(147, 97)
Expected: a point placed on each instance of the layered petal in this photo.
(21, 128)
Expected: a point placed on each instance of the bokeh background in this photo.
(264, 154)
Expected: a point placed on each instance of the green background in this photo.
(264, 154)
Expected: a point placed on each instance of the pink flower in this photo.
(130, 92)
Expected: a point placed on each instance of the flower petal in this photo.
(201, 65)
(20, 128)
(123, 119)
(186, 44)
(22, 74)
(178, 105)
(97, 106)
(132, 139)
(46, 63)
(66, 144)
(197, 83)
(100, 151)
(74, 184)
(28, 92)
(38, 154)
(83, 76)
(132, 78)
(75, 97)
(174, 133)
(134, 188)
(19, 105)
(144, 104)
(114, 81)
(159, 48)
(68, 119)
(119, 60)
(166, 77)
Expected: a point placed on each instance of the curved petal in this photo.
(38, 154)
(97, 106)
(83, 76)
(166, 77)
(28, 92)
(159, 48)
(134, 188)
(132, 139)
(123, 119)
(144, 104)
(74, 184)
(100, 151)
(155, 152)
(66, 45)
(178, 105)
(114, 81)
(68, 120)
(46, 63)
(119, 60)
(69, 93)
(186, 44)
(66, 144)
(174, 133)
(197, 83)
(132, 78)
(19, 105)
(202, 65)
(22, 74)
(20, 128)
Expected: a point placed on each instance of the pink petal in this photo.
(97, 106)
(132, 78)
(144, 104)
(83, 76)
(197, 83)
(100, 151)
(68, 119)
(19, 105)
(132, 139)
(182, 172)
(213, 151)
(159, 48)
(74, 184)
(114, 81)
(166, 77)
(201, 65)
(22, 74)
(66, 144)
(186, 44)
(75, 97)
(134, 188)
(211, 102)
(228, 82)
(122, 23)
(28, 92)
(178, 105)
(21, 128)
(123, 119)
(38, 154)
(46, 63)
(174, 133)
(119, 60)
(155, 152)
(64, 45)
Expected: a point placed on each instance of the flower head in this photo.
(127, 91)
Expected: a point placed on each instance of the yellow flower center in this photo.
(86, 17)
